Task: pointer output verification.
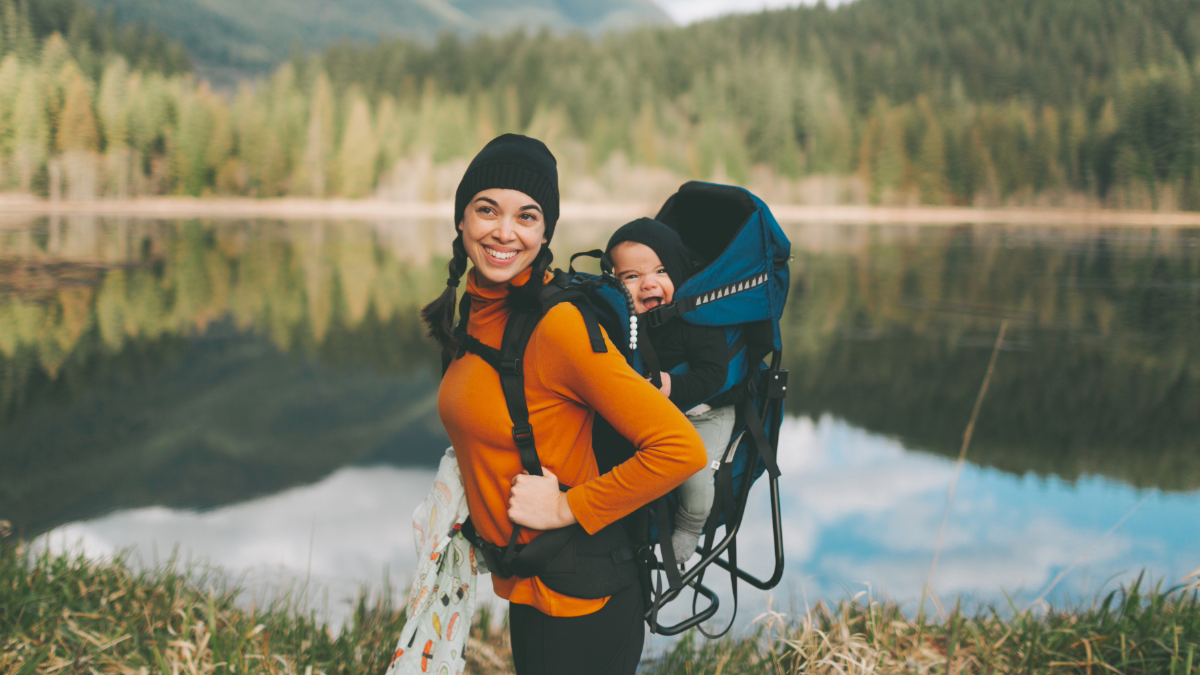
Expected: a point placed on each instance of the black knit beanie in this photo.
(513, 162)
(661, 239)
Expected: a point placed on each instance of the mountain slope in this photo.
(231, 36)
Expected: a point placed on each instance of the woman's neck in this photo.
(484, 287)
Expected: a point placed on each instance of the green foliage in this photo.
(360, 150)
(232, 38)
(92, 39)
(77, 125)
(966, 102)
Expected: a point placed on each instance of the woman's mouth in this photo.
(500, 256)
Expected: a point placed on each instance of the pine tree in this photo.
(931, 159)
(30, 131)
(10, 86)
(359, 154)
(646, 136)
(112, 107)
(77, 138)
(390, 129)
(19, 37)
(190, 143)
(312, 175)
(77, 123)
(6, 14)
(112, 104)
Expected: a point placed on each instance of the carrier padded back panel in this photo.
(707, 216)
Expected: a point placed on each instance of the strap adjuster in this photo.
(511, 366)
(660, 315)
(523, 435)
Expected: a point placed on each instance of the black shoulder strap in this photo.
(511, 368)
(508, 362)
(562, 290)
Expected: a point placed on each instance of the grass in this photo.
(64, 613)
(1131, 630)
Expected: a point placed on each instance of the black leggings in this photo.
(607, 642)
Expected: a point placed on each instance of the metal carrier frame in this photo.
(692, 578)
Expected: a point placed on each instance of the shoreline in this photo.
(292, 208)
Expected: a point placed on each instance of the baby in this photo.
(652, 261)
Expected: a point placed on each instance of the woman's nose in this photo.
(505, 230)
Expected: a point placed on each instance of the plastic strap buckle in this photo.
(660, 315)
(523, 435)
(511, 366)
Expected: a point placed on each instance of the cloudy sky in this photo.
(687, 11)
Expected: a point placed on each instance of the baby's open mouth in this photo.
(651, 303)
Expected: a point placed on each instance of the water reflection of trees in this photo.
(1101, 373)
(75, 292)
(193, 365)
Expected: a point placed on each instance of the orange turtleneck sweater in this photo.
(566, 383)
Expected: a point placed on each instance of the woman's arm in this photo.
(669, 450)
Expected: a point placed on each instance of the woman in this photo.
(506, 209)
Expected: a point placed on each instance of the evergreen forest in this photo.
(230, 39)
(961, 102)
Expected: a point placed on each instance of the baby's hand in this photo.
(666, 384)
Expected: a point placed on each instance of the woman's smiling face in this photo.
(503, 231)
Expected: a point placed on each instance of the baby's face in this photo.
(638, 267)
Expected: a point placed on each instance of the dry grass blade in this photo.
(958, 466)
(1194, 584)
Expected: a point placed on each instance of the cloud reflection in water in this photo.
(859, 509)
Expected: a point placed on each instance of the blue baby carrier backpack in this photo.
(742, 288)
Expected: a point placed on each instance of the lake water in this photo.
(257, 395)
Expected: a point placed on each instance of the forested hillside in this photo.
(232, 38)
(877, 101)
(92, 39)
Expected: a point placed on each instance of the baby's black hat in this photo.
(513, 162)
(661, 239)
